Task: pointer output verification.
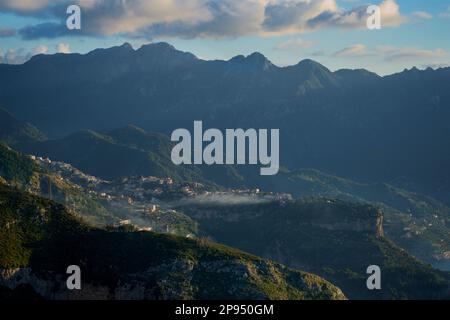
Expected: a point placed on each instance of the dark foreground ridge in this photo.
(40, 239)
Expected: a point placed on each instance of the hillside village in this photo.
(147, 203)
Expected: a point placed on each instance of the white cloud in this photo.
(19, 56)
(40, 50)
(422, 15)
(7, 32)
(390, 14)
(63, 48)
(395, 53)
(390, 53)
(356, 50)
(23, 6)
(203, 18)
(357, 17)
(12, 56)
(294, 44)
(296, 16)
(114, 17)
(445, 14)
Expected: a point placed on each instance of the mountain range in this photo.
(85, 158)
(416, 222)
(298, 233)
(350, 123)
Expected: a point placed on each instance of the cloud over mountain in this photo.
(197, 18)
(19, 56)
(357, 50)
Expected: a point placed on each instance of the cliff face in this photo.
(332, 215)
(335, 239)
(370, 223)
(379, 231)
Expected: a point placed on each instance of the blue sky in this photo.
(333, 32)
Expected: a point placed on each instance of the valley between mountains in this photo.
(129, 222)
(88, 181)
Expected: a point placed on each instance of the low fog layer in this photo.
(226, 199)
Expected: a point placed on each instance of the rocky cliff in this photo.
(335, 239)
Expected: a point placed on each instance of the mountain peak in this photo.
(158, 45)
(123, 49)
(311, 67)
(254, 61)
(309, 64)
(126, 45)
(257, 56)
(356, 76)
(258, 59)
(163, 51)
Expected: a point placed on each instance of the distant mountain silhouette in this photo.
(351, 123)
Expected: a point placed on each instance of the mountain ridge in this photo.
(299, 232)
(127, 47)
(353, 124)
(35, 253)
(13, 131)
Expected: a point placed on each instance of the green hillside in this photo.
(15, 167)
(45, 238)
(416, 222)
(129, 151)
(21, 171)
(335, 239)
